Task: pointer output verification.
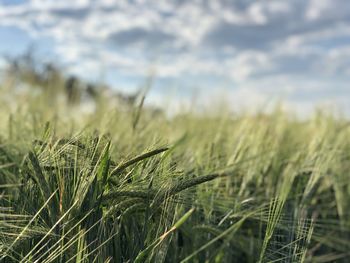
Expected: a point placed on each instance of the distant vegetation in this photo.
(121, 182)
(46, 78)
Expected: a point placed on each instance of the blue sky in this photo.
(251, 51)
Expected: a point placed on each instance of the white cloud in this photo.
(316, 8)
(247, 63)
(327, 10)
(2, 63)
(256, 13)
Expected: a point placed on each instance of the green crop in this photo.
(122, 183)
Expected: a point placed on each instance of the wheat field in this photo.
(125, 183)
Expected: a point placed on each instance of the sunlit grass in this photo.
(122, 184)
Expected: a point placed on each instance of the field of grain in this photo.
(125, 183)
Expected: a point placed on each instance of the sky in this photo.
(247, 52)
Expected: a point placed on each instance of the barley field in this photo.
(124, 182)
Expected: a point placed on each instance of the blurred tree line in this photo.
(26, 72)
